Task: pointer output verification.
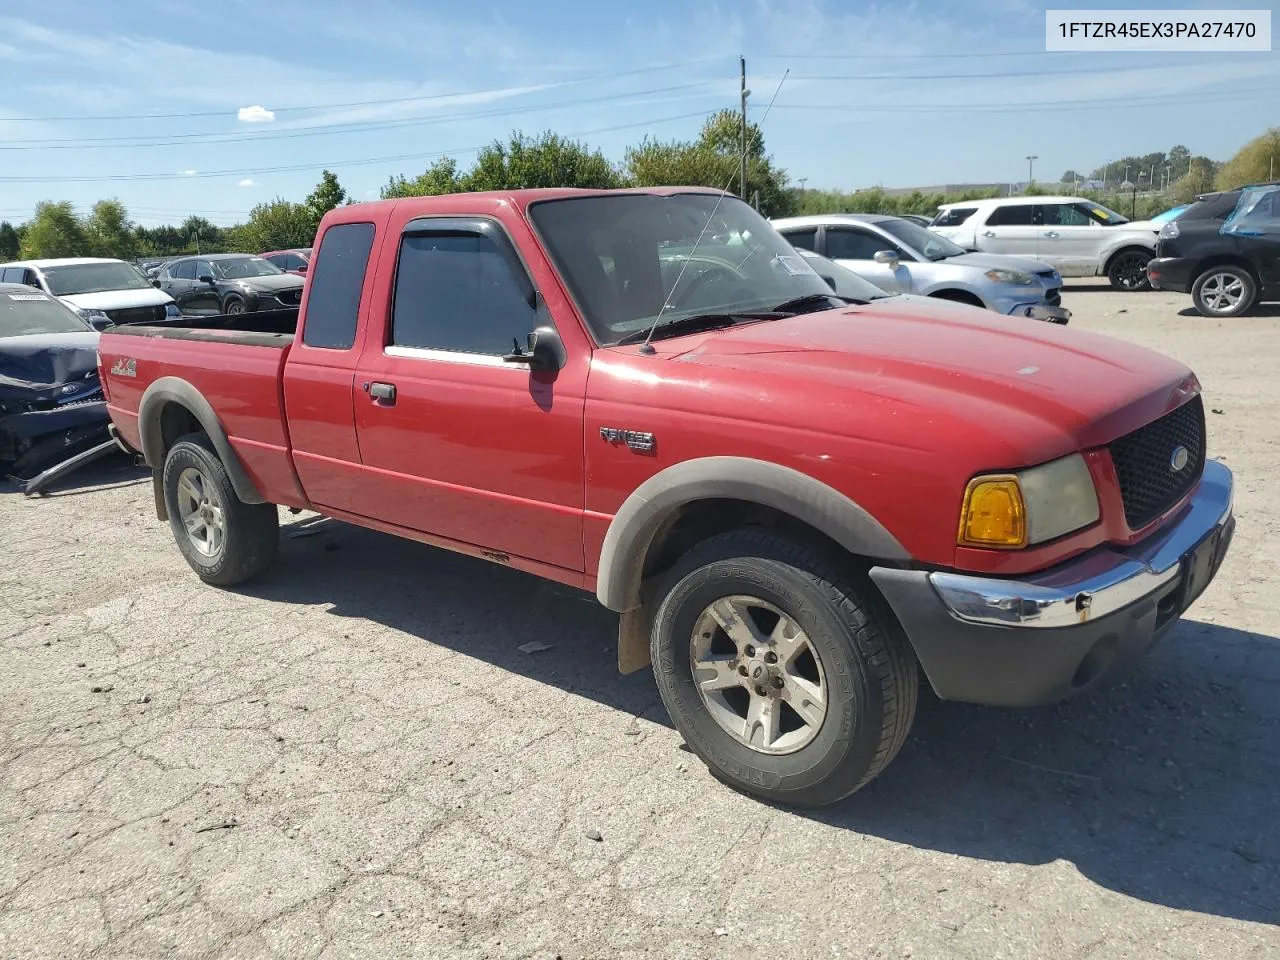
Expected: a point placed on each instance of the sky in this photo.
(212, 108)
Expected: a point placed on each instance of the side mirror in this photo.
(100, 323)
(545, 351)
(831, 281)
(205, 278)
(303, 269)
(887, 256)
(155, 282)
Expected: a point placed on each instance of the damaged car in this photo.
(53, 417)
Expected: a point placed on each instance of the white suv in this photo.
(1077, 236)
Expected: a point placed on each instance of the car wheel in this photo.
(786, 675)
(233, 306)
(1128, 270)
(1225, 291)
(225, 540)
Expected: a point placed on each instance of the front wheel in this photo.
(1128, 270)
(234, 306)
(787, 676)
(1225, 291)
(225, 540)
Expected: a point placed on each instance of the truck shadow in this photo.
(1260, 311)
(1166, 789)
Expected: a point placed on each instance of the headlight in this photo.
(1170, 230)
(1017, 277)
(1013, 510)
(89, 314)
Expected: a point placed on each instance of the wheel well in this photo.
(1225, 260)
(959, 296)
(175, 421)
(700, 520)
(1132, 248)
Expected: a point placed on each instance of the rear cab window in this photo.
(953, 217)
(335, 286)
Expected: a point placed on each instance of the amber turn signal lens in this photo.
(993, 514)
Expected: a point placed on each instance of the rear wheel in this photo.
(1128, 270)
(1225, 291)
(784, 673)
(225, 540)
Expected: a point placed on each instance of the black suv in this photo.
(228, 283)
(1227, 274)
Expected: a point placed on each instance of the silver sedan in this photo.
(899, 256)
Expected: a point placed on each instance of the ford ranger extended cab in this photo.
(796, 503)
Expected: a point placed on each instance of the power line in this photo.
(371, 103)
(249, 171)
(981, 76)
(1065, 105)
(913, 56)
(193, 139)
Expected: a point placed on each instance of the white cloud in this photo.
(247, 182)
(189, 173)
(255, 114)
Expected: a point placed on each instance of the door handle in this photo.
(384, 393)
(1052, 233)
(989, 233)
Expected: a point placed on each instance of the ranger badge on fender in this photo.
(640, 442)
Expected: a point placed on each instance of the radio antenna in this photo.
(647, 347)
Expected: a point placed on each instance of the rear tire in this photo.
(1128, 270)
(831, 683)
(225, 540)
(1224, 291)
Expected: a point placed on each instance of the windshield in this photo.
(843, 281)
(94, 278)
(1105, 215)
(241, 267)
(925, 242)
(23, 314)
(624, 257)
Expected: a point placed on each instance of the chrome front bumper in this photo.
(1100, 583)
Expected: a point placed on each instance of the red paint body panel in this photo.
(897, 406)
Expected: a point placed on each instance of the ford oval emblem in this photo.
(1178, 459)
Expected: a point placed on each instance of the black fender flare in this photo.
(167, 390)
(789, 491)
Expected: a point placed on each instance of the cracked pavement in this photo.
(352, 758)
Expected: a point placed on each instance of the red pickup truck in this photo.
(795, 502)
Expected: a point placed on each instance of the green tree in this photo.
(547, 160)
(200, 234)
(278, 225)
(1070, 176)
(328, 194)
(439, 178)
(1197, 180)
(713, 161)
(1256, 162)
(1179, 161)
(9, 241)
(109, 232)
(54, 231)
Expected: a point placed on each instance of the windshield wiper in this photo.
(694, 324)
(798, 304)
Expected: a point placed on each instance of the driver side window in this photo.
(849, 243)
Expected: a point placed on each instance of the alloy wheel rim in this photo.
(201, 513)
(758, 674)
(1222, 292)
(1132, 271)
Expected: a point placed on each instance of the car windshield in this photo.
(843, 281)
(1105, 215)
(240, 267)
(624, 257)
(925, 242)
(24, 314)
(76, 278)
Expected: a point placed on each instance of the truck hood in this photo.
(997, 261)
(1041, 390)
(117, 299)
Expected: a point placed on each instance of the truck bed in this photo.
(265, 328)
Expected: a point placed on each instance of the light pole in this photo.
(1031, 165)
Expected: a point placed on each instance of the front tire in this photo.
(234, 306)
(1128, 270)
(786, 675)
(225, 540)
(1225, 291)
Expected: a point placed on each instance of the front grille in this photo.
(290, 298)
(1053, 296)
(1149, 485)
(137, 314)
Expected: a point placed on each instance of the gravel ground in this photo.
(352, 758)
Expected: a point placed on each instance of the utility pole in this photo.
(1031, 165)
(742, 145)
